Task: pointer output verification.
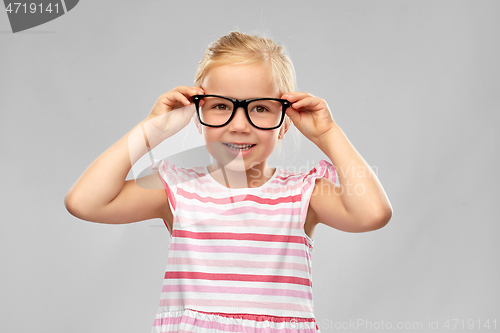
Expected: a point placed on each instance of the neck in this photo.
(254, 176)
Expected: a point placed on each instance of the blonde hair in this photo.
(238, 48)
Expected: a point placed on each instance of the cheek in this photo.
(210, 135)
(271, 140)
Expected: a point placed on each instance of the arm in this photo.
(102, 195)
(359, 204)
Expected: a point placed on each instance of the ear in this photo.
(197, 122)
(284, 127)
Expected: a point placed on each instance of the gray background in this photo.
(413, 84)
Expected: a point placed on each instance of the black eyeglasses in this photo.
(262, 113)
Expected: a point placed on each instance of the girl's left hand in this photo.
(310, 114)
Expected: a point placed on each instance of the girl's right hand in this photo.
(171, 113)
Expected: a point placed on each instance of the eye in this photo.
(222, 107)
(260, 109)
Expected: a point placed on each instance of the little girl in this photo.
(240, 230)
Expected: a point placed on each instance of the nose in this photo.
(239, 123)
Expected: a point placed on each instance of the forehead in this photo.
(240, 81)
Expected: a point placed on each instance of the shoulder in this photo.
(173, 173)
(307, 175)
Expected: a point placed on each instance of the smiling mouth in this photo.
(238, 147)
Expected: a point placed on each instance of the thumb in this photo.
(293, 115)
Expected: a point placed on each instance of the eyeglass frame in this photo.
(243, 103)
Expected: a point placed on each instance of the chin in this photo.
(236, 165)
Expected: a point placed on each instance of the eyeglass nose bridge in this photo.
(238, 103)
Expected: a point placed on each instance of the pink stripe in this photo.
(290, 178)
(168, 321)
(282, 184)
(237, 277)
(214, 303)
(191, 173)
(236, 263)
(238, 223)
(192, 182)
(238, 198)
(238, 249)
(240, 236)
(237, 290)
(276, 189)
(279, 188)
(238, 210)
(282, 189)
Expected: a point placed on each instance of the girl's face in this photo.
(240, 82)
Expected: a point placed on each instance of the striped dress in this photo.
(239, 259)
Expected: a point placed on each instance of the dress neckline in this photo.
(242, 189)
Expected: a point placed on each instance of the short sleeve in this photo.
(322, 169)
(168, 173)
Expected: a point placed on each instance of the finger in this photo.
(195, 91)
(174, 97)
(307, 103)
(189, 91)
(199, 90)
(295, 96)
(293, 115)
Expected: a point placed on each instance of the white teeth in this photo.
(238, 147)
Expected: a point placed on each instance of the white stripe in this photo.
(236, 284)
